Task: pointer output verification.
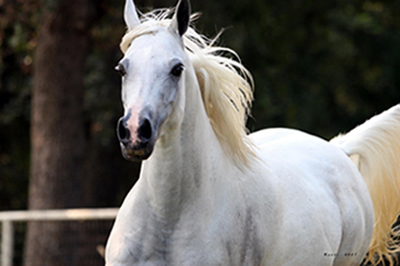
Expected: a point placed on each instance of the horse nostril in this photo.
(122, 131)
(145, 130)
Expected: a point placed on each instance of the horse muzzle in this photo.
(136, 143)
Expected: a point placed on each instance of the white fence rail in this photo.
(7, 218)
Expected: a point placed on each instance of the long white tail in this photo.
(375, 149)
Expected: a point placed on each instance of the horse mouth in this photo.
(136, 144)
(136, 153)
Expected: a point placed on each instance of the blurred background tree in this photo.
(319, 66)
(57, 135)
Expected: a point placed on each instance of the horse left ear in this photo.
(180, 21)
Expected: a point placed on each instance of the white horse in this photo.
(209, 194)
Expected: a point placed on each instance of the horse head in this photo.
(152, 71)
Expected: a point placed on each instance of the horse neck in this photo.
(184, 161)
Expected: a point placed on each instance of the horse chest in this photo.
(167, 246)
(196, 243)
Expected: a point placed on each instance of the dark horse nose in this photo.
(123, 132)
(144, 131)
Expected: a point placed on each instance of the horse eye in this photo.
(177, 70)
(120, 69)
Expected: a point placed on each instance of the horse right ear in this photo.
(130, 15)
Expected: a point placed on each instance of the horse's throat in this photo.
(177, 172)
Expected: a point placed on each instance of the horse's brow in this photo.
(139, 34)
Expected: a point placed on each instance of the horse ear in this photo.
(180, 21)
(130, 15)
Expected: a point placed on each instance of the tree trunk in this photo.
(57, 129)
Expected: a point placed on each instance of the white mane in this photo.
(226, 85)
